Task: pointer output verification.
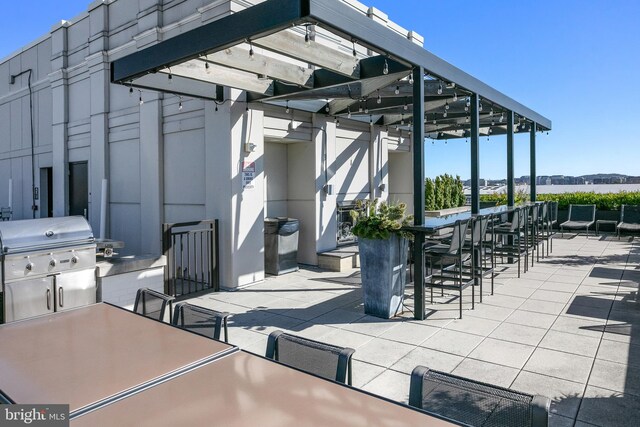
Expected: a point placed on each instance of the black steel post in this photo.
(511, 199)
(532, 148)
(475, 154)
(418, 190)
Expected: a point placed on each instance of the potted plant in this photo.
(383, 251)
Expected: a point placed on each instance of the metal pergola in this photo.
(283, 52)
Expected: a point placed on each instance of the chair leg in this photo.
(460, 287)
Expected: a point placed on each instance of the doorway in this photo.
(79, 189)
(46, 192)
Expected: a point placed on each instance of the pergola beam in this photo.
(239, 59)
(222, 76)
(178, 86)
(290, 44)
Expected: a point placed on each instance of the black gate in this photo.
(191, 249)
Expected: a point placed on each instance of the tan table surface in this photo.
(82, 356)
(246, 390)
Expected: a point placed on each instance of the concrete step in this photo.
(341, 259)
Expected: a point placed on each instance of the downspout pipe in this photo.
(12, 80)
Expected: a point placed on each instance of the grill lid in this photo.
(43, 233)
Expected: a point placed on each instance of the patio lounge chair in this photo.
(324, 360)
(152, 304)
(202, 321)
(474, 403)
(580, 217)
(629, 219)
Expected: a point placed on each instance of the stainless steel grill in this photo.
(344, 235)
(47, 265)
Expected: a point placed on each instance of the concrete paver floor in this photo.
(568, 329)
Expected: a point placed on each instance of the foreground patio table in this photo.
(92, 355)
(243, 389)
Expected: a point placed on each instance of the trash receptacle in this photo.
(281, 245)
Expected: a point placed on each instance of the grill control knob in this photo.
(52, 263)
(29, 266)
(75, 259)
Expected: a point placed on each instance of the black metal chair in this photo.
(553, 222)
(318, 358)
(629, 219)
(474, 403)
(450, 256)
(535, 214)
(580, 217)
(513, 238)
(152, 304)
(544, 226)
(202, 321)
(479, 244)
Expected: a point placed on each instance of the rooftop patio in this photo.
(567, 329)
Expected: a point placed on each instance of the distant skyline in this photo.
(573, 61)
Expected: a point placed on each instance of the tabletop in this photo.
(432, 224)
(83, 356)
(243, 389)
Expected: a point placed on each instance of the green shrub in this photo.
(429, 195)
(462, 199)
(378, 221)
(604, 201)
(521, 196)
(446, 192)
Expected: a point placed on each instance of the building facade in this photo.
(168, 158)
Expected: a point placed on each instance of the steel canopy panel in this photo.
(271, 20)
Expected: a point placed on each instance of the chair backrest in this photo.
(457, 237)
(474, 403)
(544, 212)
(152, 304)
(582, 213)
(630, 214)
(325, 360)
(553, 211)
(479, 228)
(535, 212)
(517, 219)
(203, 321)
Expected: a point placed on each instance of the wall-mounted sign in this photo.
(248, 173)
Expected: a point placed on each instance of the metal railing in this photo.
(191, 249)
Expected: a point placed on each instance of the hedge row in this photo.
(604, 201)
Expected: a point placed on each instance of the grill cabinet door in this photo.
(75, 289)
(28, 298)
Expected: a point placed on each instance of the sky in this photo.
(575, 62)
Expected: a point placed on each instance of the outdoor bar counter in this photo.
(243, 389)
(432, 225)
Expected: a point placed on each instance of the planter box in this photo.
(383, 270)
